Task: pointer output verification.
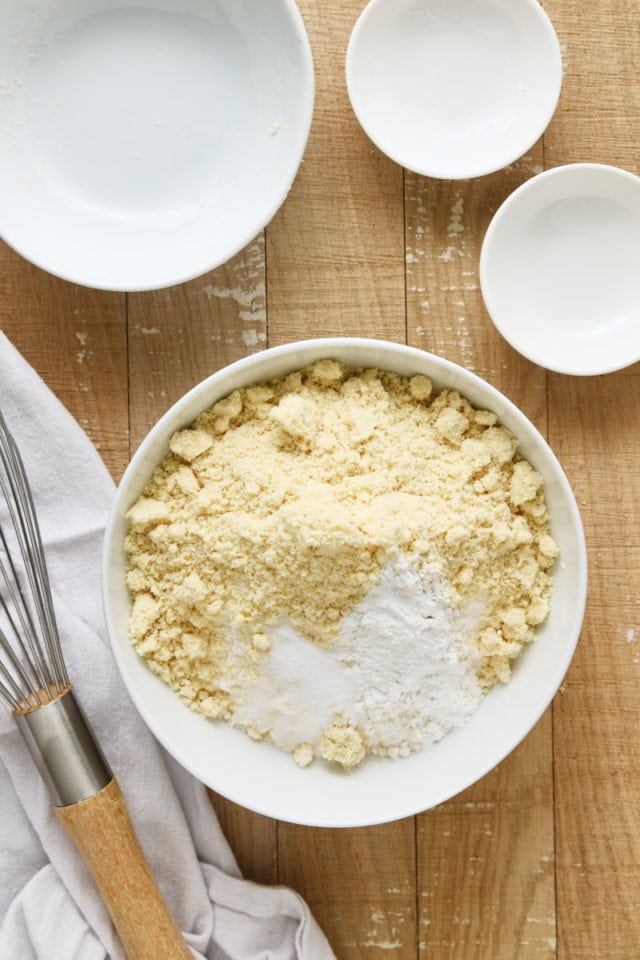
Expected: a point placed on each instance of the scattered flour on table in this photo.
(341, 560)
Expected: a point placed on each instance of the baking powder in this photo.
(402, 671)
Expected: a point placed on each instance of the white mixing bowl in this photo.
(560, 269)
(454, 88)
(144, 142)
(259, 775)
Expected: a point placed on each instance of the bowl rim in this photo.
(501, 323)
(405, 807)
(433, 170)
(306, 96)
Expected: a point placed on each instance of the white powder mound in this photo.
(300, 688)
(402, 673)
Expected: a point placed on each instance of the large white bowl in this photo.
(259, 775)
(560, 269)
(144, 142)
(454, 88)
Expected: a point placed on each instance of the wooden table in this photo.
(541, 859)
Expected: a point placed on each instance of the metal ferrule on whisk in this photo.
(64, 750)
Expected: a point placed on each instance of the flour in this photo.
(401, 674)
(341, 561)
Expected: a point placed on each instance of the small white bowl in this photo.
(259, 775)
(454, 88)
(560, 269)
(144, 143)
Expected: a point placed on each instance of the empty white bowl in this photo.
(454, 88)
(560, 269)
(259, 775)
(143, 142)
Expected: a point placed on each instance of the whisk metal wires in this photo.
(32, 670)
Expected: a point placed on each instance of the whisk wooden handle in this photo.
(101, 830)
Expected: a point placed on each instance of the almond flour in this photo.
(269, 530)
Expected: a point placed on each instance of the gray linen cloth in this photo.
(49, 906)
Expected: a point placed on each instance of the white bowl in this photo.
(144, 142)
(454, 88)
(259, 775)
(560, 269)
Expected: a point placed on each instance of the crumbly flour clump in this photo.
(288, 517)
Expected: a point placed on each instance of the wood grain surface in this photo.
(541, 859)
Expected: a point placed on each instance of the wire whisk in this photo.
(37, 673)
(35, 684)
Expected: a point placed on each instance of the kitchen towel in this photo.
(49, 906)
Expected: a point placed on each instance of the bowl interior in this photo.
(143, 143)
(454, 89)
(559, 269)
(260, 776)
